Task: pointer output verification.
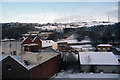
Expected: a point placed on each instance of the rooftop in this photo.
(105, 45)
(81, 46)
(68, 41)
(87, 76)
(98, 58)
(47, 43)
(32, 44)
(39, 57)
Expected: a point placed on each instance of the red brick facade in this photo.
(34, 48)
(37, 41)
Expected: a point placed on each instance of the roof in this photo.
(85, 41)
(117, 56)
(26, 41)
(118, 49)
(32, 44)
(15, 57)
(104, 45)
(39, 58)
(47, 43)
(81, 46)
(49, 49)
(2, 57)
(36, 39)
(98, 58)
(68, 41)
(45, 56)
(87, 76)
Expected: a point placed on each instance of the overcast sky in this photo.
(43, 12)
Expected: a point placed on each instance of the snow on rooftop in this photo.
(47, 43)
(81, 46)
(2, 57)
(43, 56)
(98, 58)
(68, 41)
(86, 75)
(32, 44)
(104, 45)
(117, 56)
(85, 41)
(38, 58)
(118, 49)
(86, 47)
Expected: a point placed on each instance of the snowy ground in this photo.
(70, 74)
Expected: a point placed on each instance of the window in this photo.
(113, 71)
(9, 67)
(14, 52)
(100, 70)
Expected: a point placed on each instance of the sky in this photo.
(44, 12)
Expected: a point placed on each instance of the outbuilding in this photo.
(98, 62)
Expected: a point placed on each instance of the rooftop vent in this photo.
(26, 63)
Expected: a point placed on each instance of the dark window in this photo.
(100, 70)
(14, 52)
(113, 71)
(9, 67)
(2, 52)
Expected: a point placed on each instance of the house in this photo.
(45, 34)
(61, 46)
(13, 68)
(36, 44)
(98, 62)
(31, 45)
(47, 43)
(83, 48)
(31, 65)
(82, 42)
(31, 33)
(26, 41)
(37, 41)
(104, 47)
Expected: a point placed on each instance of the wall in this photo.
(108, 69)
(55, 46)
(18, 71)
(33, 48)
(105, 68)
(46, 69)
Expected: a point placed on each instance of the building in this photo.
(104, 47)
(83, 48)
(36, 44)
(37, 41)
(13, 68)
(47, 43)
(31, 65)
(98, 62)
(45, 34)
(31, 45)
